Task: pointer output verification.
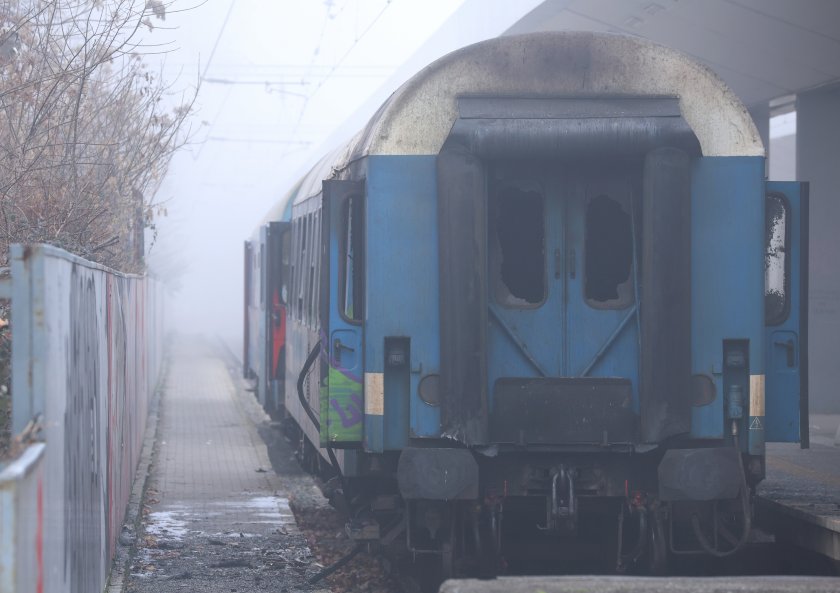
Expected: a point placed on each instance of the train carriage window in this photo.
(261, 277)
(304, 228)
(608, 249)
(300, 258)
(301, 291)
(516, 234)
(310, 267)
(352, 258)
(286, 266)
(291, 282)
(316, 256)
(295, 267)
(252, 297)
(304, 269)
(776, 262)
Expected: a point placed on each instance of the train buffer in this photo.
(799, 501)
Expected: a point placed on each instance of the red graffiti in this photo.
(112, 415)
(39, 539)
(278, 337)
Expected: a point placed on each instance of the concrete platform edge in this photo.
(624, 584)
(768, 505)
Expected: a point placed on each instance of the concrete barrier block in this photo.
(22, 523)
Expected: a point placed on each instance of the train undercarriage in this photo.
(552, 513)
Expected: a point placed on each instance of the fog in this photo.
(278, 78)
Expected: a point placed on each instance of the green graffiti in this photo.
(342, 405)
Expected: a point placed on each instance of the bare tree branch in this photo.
(84, 139)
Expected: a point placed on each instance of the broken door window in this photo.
(516, 232)
(775, 260)
(608, 253)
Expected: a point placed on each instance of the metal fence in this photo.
(5, 379)
(87, 345)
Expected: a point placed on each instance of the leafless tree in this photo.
(85, 131)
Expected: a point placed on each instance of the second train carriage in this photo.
(547, 288)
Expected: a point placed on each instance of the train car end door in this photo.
(342, 312)
(277, 249)
(786, 313)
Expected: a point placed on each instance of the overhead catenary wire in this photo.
(324, 72)
(207, 67)
(338, 64)
(218, 39)
(340, 61)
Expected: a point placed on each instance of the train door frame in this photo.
(584, 310)
(342, 313)
(562, 129)
(784, 411)
(519, 319)
(247, 251)
(275, 316)
(525, 322)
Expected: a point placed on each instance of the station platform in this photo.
(799, 501)
(216, 517)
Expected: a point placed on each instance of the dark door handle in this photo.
(338, 346)
(790, 350)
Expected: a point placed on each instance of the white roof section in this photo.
(417, 119)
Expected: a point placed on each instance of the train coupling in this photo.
(561, 504)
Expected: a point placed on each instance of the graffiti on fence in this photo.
(82, 417)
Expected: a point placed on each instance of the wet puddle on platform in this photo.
(172, 522)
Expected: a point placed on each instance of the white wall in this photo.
(818, 162)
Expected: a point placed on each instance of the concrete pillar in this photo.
(761, 116)
(781, 161)
(818, 162)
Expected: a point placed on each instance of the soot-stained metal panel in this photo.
(462, 220)
(700, 474)
(666, 295)
(437, 474)
(573, 137)
(563, 411)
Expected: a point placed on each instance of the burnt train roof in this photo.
(418, 117)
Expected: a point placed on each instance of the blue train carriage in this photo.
(266, 254)
(547, 295)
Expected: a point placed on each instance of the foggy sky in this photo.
(283, 77)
